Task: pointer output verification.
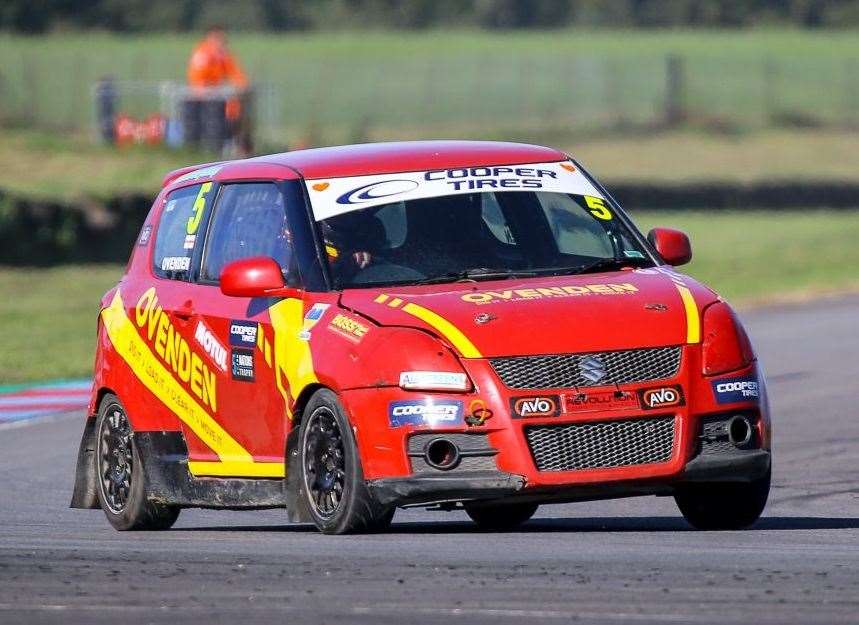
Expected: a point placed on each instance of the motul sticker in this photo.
(663, 397)
(539, 406)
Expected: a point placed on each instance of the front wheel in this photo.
(121, 488)
(729, 506)
(332, 481)
(500, 516)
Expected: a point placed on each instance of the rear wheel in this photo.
(332, 480)
(121, 488)
(500, 516)
(729, 506)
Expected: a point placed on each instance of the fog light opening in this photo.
(440, 453)
(740, 431)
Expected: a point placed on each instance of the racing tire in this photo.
(500, 516)
(332, 480)
(120, 479)
(729, 506)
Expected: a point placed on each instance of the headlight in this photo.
(726, 345)
(433, 381)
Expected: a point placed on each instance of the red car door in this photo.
(236, 335)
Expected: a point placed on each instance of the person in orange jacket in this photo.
(212, 65)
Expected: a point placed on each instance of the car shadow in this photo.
(567, 525)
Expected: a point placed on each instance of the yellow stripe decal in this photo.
(395, 302)
(445, 328)
(158, 379)
(233, 469)
(693, 321)
(381, 299)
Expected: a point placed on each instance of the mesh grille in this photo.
(714, 436)
(601, 445)
(571, 370)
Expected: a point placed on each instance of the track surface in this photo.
(623, 561)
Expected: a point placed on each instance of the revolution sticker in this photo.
(335, 196)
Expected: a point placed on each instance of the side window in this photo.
(249, 220)
(576, 232)
(393, 219)
(177, 230)
(494, 219)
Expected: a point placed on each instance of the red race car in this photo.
(344, 331)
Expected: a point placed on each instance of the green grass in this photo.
(49, 319)
(38, 164)
(49, 315)
(336, 86)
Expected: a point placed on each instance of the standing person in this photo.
(210, 116)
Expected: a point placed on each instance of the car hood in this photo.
(559, 314)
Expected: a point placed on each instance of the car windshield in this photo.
(474, 236)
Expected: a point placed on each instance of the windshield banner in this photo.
(335, 196)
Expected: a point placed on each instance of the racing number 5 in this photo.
(197, 209)
(597, 207)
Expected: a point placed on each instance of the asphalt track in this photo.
(633, 560)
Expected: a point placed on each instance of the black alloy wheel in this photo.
(120, 476)
(334, 493)
(324, 462)
(115, 458)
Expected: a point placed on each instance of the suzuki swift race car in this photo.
(455, 325)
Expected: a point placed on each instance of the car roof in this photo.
(379, 158)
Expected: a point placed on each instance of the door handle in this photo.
(185, 312)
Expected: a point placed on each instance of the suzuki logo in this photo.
(592, 368)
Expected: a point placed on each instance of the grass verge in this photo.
(36, 164)
(48, 315)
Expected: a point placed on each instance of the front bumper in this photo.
(506, 465)
(739, 466)
(451, 487)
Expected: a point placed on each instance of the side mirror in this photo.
(673, 246)
(258, 276)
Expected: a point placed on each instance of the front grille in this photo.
(601, 445)
(566, 371)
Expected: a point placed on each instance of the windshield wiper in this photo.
(613, 263)
(595, 266)
(477, 273)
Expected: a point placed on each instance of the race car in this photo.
(452, 325)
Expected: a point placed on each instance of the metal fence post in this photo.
(851, 95)
(675, 90)
(771, 111)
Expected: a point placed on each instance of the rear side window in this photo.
(178, 229)
(249, 220)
